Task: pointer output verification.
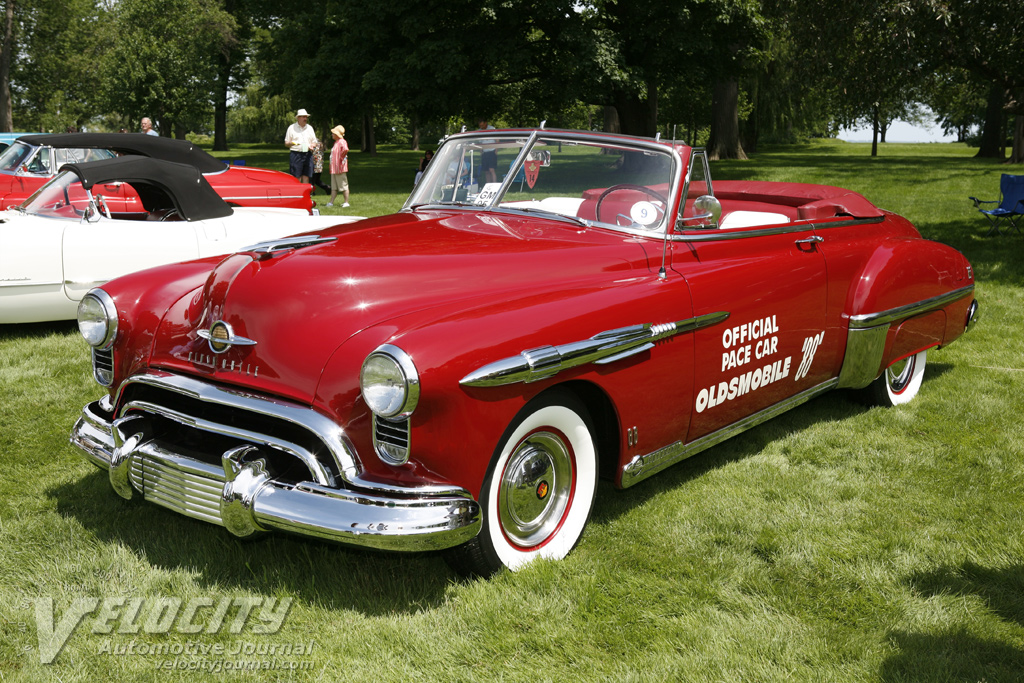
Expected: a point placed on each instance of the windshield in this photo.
(62, 197)
(605, 181)
(14, 156)
(24, 158)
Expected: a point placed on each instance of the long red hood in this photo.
(301, 305)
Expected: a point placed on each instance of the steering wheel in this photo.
(628, 186)
(171, 215)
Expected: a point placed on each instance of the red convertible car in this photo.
(32, 160)
(458, 375)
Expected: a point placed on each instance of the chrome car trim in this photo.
(715, 234)
(316, 468)
(643, 466)
(226, 342)
(268, 248)
(606, 347)
(973, 315)
(865, 339)
(327, 430)
(894, 314)
(409, 371)
(241, 496)
(29, 283)
(863, 357)
(392, 440)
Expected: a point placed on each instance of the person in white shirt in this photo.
(300, 138)
(147, 126)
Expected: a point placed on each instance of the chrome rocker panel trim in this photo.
(643, 466)
(865, 339)
(605, 347)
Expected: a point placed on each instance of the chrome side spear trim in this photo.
(606, 347)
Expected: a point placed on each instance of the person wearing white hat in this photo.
(300, 138)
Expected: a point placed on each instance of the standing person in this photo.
(147, 126)
(318, 167)
(300, 138)
(424, 162)
(339, 166)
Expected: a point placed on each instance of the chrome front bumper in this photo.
(242, 497)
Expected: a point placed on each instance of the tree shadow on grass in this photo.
(956, 654)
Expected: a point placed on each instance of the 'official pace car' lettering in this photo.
(755, 341)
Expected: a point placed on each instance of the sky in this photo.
(899, 131)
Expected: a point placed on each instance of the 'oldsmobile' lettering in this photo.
(718, 394)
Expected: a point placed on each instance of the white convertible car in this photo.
(68, 238)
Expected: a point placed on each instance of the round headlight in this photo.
(389, 382)
(97, 318)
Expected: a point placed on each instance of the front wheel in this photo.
(538, 491)
(900, 382)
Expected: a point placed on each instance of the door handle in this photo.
(810, 242)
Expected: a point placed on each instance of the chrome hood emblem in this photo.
(221, 337)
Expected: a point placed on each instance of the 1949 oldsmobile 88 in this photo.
(457, 375)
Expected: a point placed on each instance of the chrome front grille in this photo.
(391, 440)
(184, 485)
(103, 366)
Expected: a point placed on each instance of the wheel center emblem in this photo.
(542, 490)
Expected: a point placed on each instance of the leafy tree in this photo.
(161, 64)
(57, 84)
(987, 40)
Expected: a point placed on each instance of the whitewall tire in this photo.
(900, 382)
(539, 489)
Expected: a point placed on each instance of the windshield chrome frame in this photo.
(626, 141)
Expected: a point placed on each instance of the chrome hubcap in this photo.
(898, 374)
(536, 489)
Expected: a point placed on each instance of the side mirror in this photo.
(708, 210)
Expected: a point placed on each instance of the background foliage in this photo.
(727, 73)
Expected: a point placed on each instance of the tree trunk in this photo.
(369, 137)
(1017, 155)
(991, 146)
(220, 104)
(637, 115)
(874, 131)
(611, 120)
(415, 133)
(180, 131)
(882, 128)
(6, 114)
(724, 142)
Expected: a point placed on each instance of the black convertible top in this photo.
(153, 179)
(168, 149)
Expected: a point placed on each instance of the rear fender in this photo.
(907, 298)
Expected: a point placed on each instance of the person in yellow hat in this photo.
(339, 166)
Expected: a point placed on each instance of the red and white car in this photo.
(458, 375)
(32, 160)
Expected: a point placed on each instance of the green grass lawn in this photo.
(834, 543)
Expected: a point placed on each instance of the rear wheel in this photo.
(900, 382)
(538, 491)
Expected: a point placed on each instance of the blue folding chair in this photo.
(1011, 204)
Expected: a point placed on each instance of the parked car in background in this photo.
(31, 160)
(68, 237)
(458, 375)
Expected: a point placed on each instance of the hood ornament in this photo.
(221, 337)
